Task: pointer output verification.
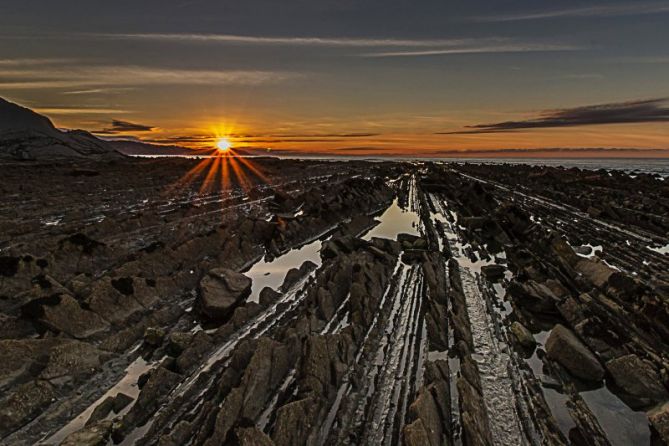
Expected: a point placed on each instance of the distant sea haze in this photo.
(658, 166)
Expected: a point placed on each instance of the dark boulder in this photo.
(637, 378)
(93, 435)
(564, 347)
(534, 296)
(493, 273)
(221, 290)
(522, 335)
(295, 274)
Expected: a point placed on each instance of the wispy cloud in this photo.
(93, 91)
(605, 10)
(412, 47)
(285, 140)
(547, 150)
(581, 76)
(106, 76)
(184, 139)
(67, 110)
(32, 62)
(361, 149)
(641, 111)
(275, 138)
(126, 126)
(287, 40)
(119, 126)
(663, 59)
(306, 135)
(482, 49)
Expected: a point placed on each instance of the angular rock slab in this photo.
(564, 347)
(638, 378)
(221, 290)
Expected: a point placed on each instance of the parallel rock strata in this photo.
(494, 309)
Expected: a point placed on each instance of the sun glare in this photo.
(222, 169)
(223, 145)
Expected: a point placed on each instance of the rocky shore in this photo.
(405, 303)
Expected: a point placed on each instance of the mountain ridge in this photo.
(28, 135)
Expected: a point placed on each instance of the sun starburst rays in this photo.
(220, 173)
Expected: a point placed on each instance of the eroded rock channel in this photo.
(345, 303)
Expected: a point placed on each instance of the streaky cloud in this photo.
(67, 110)
(286, 40)
(549, 150)
(606, 10)
(181, 139)
(284, 140)
(662, 59)
(124, 76)
(23, 62)
(126, 126)
(640, 111)
(93, 91)
(306, 135)
(361, 149)
(485, 49)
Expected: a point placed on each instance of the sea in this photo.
(632, 166)
(658, 166)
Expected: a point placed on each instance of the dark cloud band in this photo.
(642, 111)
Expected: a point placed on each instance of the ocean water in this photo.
(658, 166)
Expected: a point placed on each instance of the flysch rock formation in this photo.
(401, 304)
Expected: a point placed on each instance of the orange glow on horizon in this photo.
(626, 140)
(410, 133)
(389, 138)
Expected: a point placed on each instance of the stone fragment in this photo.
(294, 422)
(94, 435)
(221, 290)
(493, 273)
(595, 271)
(564, 347)
(121, 401)
(415, 434)
(252, 436)
(73, 359)
(659, 418)
(101, 411)
(523, 335)
(178, 341)
(23, 404)
(64, 314)
(637, 378)
(268, 296)
(154, 336)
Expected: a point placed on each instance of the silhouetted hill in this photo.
(27, 135)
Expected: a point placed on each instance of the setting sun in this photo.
(223, 145)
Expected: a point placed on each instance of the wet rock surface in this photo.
(221, 290)
(488, 307)
(564, 347)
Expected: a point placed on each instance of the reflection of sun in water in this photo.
(223, 145)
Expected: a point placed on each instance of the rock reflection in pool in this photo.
(270, 273)
(394, 221)
(622, 425)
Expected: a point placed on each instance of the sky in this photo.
(368, 77)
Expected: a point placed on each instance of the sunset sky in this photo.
(423, 78)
